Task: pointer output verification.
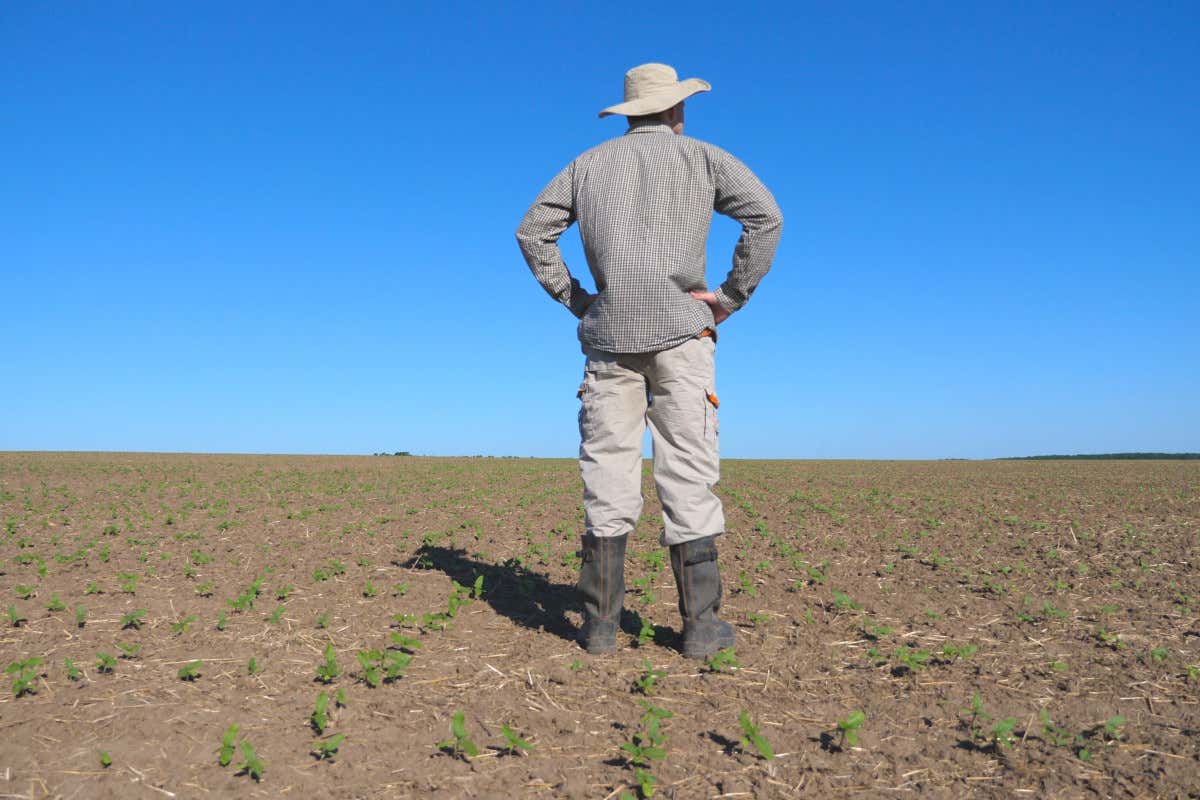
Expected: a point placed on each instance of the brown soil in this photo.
(852, 584)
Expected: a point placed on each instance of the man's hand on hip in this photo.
(718, 311)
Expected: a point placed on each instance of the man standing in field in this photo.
(644, 202)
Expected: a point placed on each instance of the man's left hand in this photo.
(718, 311)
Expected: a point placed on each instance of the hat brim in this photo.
(659, 101)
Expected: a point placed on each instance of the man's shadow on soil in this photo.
(528, 598)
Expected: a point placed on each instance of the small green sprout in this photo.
(182, 625)
(105, 759)
(849, 727)
(55, 604)
(220, 620)
(514, 744)
(403, 642)
(105, 662)
(15, 619)
(276, 615)
(80, 616)
(228, 746)
(460, 745)
(329, 670)
(650, 676)
(253, 667)
(129, 651)
(646, 633)
(251, 764)
(73, 672)
(327, 748)
(1002, 733)
(24, 592)
(319, 718)
(133, 619)
(190, 671)
(753, 738)
(723, 661)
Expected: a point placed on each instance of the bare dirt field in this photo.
(948, 629)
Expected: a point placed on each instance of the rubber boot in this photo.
(602, 585)
(698, 580)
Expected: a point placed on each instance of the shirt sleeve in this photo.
(550, 215)
(742, 196)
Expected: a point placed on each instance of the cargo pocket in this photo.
(583, 396)
(712, 425)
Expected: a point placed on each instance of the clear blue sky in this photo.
(288, 227)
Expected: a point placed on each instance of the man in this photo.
(644, 202)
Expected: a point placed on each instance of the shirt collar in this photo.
(650, 127)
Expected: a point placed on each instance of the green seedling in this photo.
(55, 604)
(183, 624)
(276, 615)
(1193, 673)
(1112, 727)
(221, 620)
(105, 662)
(403, 642)
(400, 589)
(963, 651)
(339, 698)
(372, 674)
(228, 746)
(723, 661)
(128, 581)
(105, 759)
(370, 590)
(25, 674)
(753, 738)
(438, 620)
(577, 665)
(848, 728)
(477, 587)
(1058, 736)
(405, 620)
(253, 667)
(327, 748)
(1059, 666)
(645, 633)
(913, 660)
(319, 718)
(73, 672)
(1002, 734)
(647, 746)
(80, 616)
(394, 664)
(746, 584)
(842, 602)
(1159, 654)
(513, 743)
(329, 670)
(190, 671)
(323, 620)
(129, 651)
(133, 619)
(756, 618)
(92, 588)
(15, 619)
(205, 589)
(460, 745)
(24, 592)
(283, 592)
(645, 683)
(251, 764)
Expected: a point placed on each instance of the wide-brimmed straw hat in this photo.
(651, 88)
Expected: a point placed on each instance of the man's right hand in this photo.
(718, 311)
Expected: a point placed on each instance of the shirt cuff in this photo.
(726, 301)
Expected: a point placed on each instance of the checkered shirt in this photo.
(644, 202)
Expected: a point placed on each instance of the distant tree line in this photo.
(1112, 456)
